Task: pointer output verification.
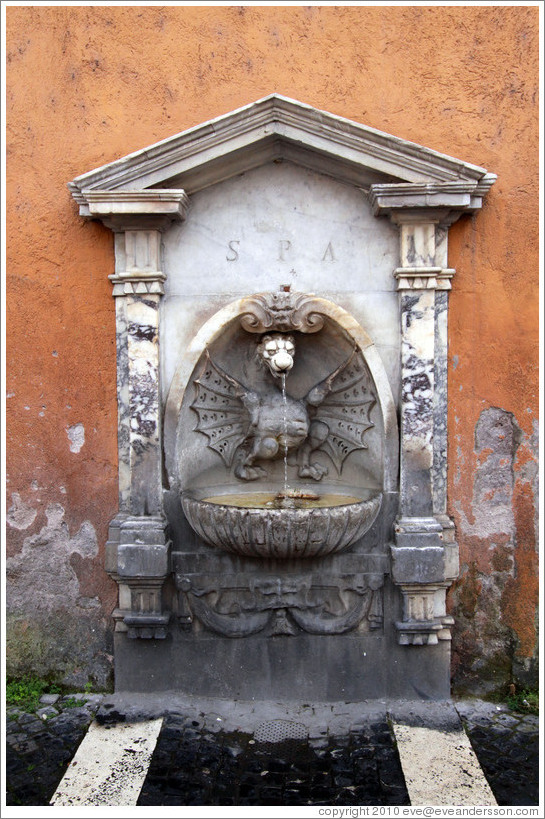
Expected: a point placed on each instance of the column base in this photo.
(424, 564)
(138, 559)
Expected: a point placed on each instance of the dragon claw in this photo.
(250, 473)
(315, 471)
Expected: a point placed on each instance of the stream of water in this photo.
(285, 404)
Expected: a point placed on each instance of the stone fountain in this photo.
(248, 426)
(283, 451)
(282, 389)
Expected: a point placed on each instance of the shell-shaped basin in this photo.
(241, 525)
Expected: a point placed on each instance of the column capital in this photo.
(137, 218)
(138, 263)
(424, 212)
(422, 254)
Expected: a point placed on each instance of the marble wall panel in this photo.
(280, 224)
(123, 407)
(440, 400)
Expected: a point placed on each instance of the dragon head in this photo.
(277, 351)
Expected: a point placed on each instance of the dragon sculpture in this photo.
(245, 426)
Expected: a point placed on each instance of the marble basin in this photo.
(261, 530)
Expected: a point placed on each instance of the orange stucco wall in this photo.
(87, 85)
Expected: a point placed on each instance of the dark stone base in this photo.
(352, 666)
(319, 629)
(312, 667)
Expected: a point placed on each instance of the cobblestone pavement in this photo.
(235, 769)
(40, 745)
(507, 747)
(202, 758)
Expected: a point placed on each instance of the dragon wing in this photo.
(220, 402)
(346, 405)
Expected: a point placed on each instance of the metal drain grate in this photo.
(280, 730)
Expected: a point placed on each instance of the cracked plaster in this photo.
(20, 515)
(40, 576)
(76, 436)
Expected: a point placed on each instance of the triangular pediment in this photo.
(275, 129)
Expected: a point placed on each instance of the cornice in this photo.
(119, 210)
(466, 195)
(277, 128)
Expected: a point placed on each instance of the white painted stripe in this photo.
(110, 765)
(440, 768)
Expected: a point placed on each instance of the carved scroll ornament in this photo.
(283, 312)
(239, 605)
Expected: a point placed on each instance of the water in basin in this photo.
(290, 500)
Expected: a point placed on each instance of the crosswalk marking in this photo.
(440, 767)
(110, 765)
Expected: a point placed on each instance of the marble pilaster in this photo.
(425, 556)
(138, 549)
(138, 286)
(417, 390)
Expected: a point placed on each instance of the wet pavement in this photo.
(507, 747)
(235, 769)
(40, 745)
(266, 753)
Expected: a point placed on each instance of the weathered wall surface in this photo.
(86, 85)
